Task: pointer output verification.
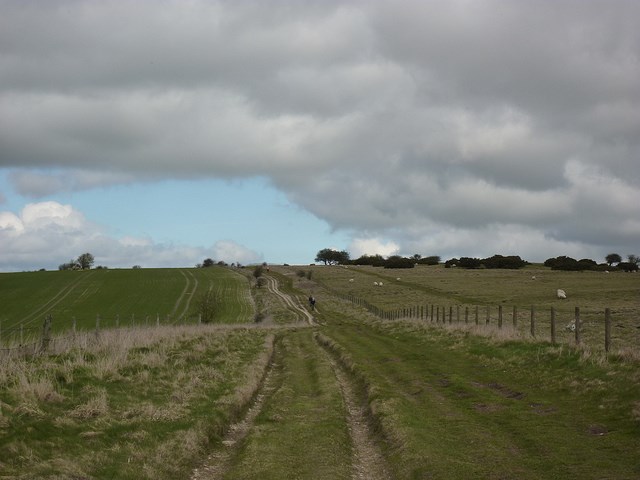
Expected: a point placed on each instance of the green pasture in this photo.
(120, 297)
(452, 405)
(454, 290)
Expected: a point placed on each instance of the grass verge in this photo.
(455, 405)
(126, 404)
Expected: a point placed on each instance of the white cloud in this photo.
(48, 215)
(373, 246)
(232, 252)
(47, 234)
(10, 223)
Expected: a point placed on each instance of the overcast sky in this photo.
(161, 133)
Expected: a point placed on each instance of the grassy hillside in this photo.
(129, 296)
(453, 288)
(345, 394)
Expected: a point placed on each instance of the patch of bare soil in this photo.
(598, 430)
(219, 461)
(368, 461)
(487, 407)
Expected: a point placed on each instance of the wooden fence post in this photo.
(450, 314)
(533, 321)
(488, 314)
(499, 316)
(466, 314)
(577, 324)
(477, 311)
(607, 329)
(458, 313)
(432, 313)
(553, 325)
(515, 316)
(46, 334)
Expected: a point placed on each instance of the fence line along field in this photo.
(455, 289)
(123, 297)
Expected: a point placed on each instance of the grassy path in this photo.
(290, 303)
(369, 462)
(299, 431)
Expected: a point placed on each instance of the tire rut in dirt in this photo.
(219, 462)
(368, 461)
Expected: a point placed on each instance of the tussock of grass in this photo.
(39, 389)
(96, 406)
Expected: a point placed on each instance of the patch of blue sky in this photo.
(249, 212)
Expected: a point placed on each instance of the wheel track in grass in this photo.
(290, 303)
(55, 300)
(184, 294)
(219, 461)
(368, 462)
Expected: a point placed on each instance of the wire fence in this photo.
(28, 338)
(598, 329)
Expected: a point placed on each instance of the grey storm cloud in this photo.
(413, 120)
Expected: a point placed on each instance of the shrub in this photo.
(373, 260)
(396, 261)
(432, 260)
(499, 261)
(570, 264)
(468, 262)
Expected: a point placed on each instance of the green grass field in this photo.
(437, 401)
(451, 288)
(119, 297)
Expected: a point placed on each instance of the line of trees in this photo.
(512, 262)
(329, 256)
(613, 261)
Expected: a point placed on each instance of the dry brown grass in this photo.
(144, 381)
(40, 389)
(96, 406)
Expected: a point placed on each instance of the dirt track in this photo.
(367, 461)
(291, 304)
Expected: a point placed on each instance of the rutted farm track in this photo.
(290, 303)
(356, 398)
(310, 408)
